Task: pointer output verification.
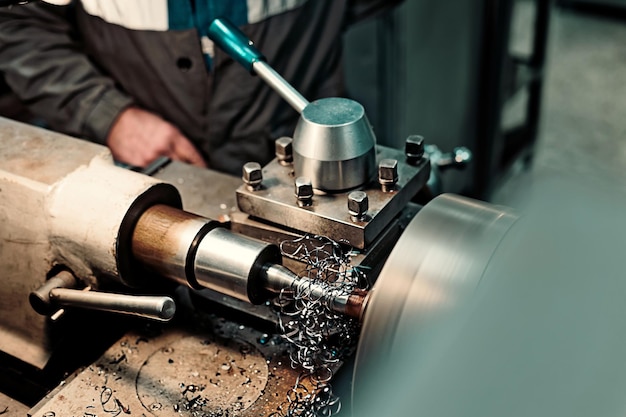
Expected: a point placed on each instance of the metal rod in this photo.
(280, 85)
(277, 278)
(154, 307)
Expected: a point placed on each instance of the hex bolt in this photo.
(388, 174)
(358, 204)
(414, 149)
(252, 175)
(304, 191)
(284, 150)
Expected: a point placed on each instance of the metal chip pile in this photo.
(320, 338)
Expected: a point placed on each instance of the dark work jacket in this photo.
(79, 71)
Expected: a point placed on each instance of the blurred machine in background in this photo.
(615, 8)
(461, 74)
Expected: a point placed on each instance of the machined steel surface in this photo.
(278, 278)
(476, 319)
(328, 215)
(435, 266)
(334, 145)
(195, 252)
(233, 264)
(370, 260)
(433, 270)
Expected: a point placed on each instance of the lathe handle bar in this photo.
(237, 45)
(161, 308)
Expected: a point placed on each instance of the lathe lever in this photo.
(333, 145)
(235, 43)
(58, 292)
(159, 308)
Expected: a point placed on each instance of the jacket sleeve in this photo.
(363, 9)
(43, 63)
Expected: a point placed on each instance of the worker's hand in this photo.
(139, 137)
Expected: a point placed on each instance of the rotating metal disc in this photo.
(478, 314)
(434, 268)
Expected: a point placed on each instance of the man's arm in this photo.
(44, 65)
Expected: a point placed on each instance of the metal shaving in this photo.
(320, 338)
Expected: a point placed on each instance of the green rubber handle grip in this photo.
(234, 42)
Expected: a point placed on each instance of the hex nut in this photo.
(358, 204)
(304, 191)
(414, 148)
(252, 175)
(388, 174)
(284, 150)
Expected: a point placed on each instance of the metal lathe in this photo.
(186, 292)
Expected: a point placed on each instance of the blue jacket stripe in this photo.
(180, 16)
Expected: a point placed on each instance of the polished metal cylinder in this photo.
(154, 307)
(164, 240)
(276, 278)
(280, 85)
(232, 264)
(432, 272)
(505, 315)
(334, 145)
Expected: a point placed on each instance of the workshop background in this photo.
(464, 73)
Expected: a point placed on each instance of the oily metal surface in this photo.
(328, 215)
(220, 368)
(434, 269)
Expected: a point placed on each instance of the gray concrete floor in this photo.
(583, 123)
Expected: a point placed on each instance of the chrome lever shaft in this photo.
(160, 308)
